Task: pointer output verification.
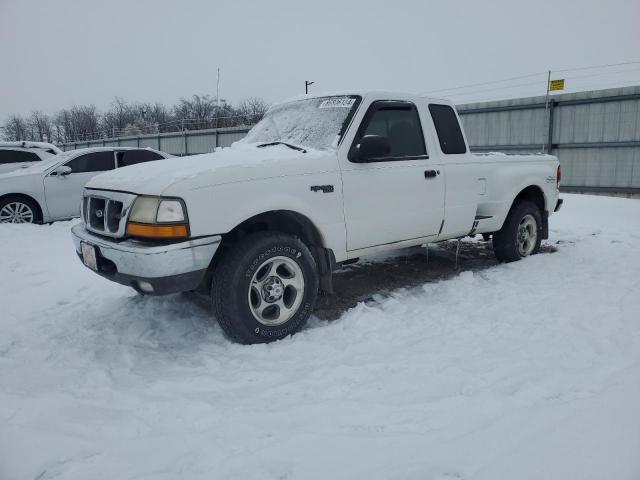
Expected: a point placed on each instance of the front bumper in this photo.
(149, 268)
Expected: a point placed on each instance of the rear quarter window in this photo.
(132, 157)
(448, 129)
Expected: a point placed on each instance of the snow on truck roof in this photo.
(391, 95)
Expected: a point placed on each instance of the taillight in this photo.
(558, 177)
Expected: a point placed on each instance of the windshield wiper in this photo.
(294, 147)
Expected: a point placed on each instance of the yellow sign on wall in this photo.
(556, 85)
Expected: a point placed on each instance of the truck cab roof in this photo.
(373, 94)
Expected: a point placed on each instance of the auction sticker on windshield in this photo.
(337, 102)
(89, 256)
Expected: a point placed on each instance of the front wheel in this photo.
(521, 234)
(18, 210)
(264, 287)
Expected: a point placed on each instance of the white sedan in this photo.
(51, 189)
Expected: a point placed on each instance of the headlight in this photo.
(156, 217)
(170, 211)
(144, 210)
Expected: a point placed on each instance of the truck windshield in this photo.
(314, 123)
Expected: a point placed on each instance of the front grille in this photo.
(113, 215)
(96, 213)
(105, 212)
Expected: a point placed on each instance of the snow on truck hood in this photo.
(240, 162)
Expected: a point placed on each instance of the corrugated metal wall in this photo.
(596, 135)
(176, 143)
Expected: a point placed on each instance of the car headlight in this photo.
(170, 211)
(157, 217)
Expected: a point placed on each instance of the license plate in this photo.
(89, 256)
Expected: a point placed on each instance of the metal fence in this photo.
(188, 142)
(596, 136)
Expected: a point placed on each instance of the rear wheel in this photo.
(264, 287)
(521, 234)
(18, 210)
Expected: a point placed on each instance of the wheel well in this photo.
(25, 197)
(284, 221)
(533, 194)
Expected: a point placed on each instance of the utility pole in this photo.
(307, 84)
(548, 84)
(218, 97)
(546, 106)
(218, 88)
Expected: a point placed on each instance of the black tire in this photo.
(33, 209)
(233, 297)
(506, 241)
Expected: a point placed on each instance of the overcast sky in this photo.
(58, 53)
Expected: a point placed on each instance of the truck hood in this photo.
(241, 162)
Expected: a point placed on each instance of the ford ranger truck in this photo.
(320, 180)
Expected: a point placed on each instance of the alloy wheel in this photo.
(527, 235)
(276, 291)
(16, 212)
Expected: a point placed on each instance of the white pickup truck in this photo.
(321, 180)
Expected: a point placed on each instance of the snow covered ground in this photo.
(529, 370)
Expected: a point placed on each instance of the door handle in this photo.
(431, 173)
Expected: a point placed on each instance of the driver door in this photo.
(397, 197)
(63, 193)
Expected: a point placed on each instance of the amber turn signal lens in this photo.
(145, 230)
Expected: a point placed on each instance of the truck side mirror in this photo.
(371, 147)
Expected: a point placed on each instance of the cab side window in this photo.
(132, 157)
(448, 129)
(92, 162)
(399, 123)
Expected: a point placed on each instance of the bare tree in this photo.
(119, 116)
(252, 110)
(197, 112)
(83, 122)
(157, 115)
(147, 117)
(40, 124)
(122, 111)
(16, 128)
(62, 126)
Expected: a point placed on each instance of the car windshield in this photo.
(313, 123)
